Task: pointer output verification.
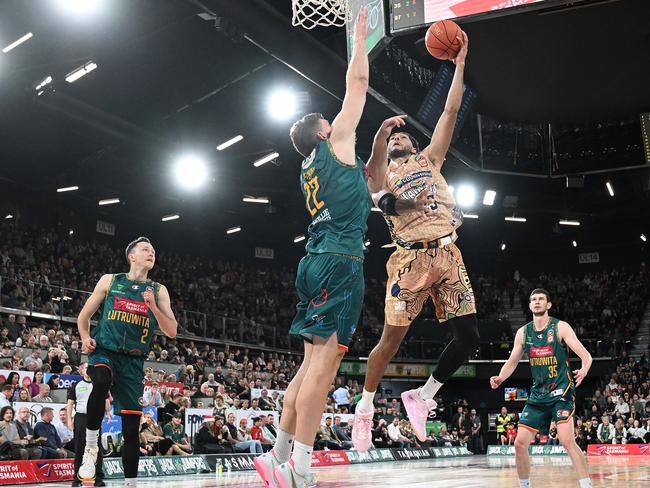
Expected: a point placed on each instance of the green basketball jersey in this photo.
(338, 201)
(126, 325)
(549, 362)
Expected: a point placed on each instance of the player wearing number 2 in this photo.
(329, 279)
(133, 307)
(547, 341)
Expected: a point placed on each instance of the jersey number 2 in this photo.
(312, 187)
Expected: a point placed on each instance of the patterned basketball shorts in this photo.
(417, 274)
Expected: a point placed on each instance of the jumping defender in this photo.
(547, 340)
(329, 280)
(133, 307)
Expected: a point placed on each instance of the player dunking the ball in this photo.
(133, 307)
(423, 218)
(329, 279)
(547, 340)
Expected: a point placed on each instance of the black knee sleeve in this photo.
(131, 448)
(463, 345)
(102, 379)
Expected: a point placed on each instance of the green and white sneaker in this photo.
(286, 477)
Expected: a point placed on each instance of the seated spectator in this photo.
(172, 408)
(6, 395)
(326, 438)
(342, 433)
(445, 437)
(636, 433)
(265, 402)
(153, 438)
(620, 433)
(219, 407)
(176, 432)
(396, 436)
(241, 440)
(35, 386)
(380, 437)
(22, 395)
(65, 433)
(257, 434)
(53, 445)
(552, 435)
(53, 382)
(152, 396)
(622, 407)
(205, 441)
(43, 395)
(579, 433)
(19, 448)
(268, 428)
(605, 432)
(34, 362)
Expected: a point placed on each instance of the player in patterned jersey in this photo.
(133, 307)
(329, 280)
(547, 340)
(423, 219)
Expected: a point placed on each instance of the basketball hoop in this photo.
(324, 13)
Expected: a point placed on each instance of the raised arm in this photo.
(90, 307)
(568, 335)
(441, 138)
(345, 123)
(162, 310)
(512, 362)
(378, 162)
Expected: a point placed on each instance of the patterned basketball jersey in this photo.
(549, 362)
(407, 181)
(338, 201)
(126, 325)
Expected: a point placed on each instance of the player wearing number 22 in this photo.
(547, 340)
(329, 279)
(133, 307)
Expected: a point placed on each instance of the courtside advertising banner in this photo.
(618, 450)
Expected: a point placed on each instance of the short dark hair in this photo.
(132, 244)
(7, 388)
(46, 409)
(303, 133)
(542, 291)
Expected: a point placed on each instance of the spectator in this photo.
(176, 433)
(6, 395)
(53, 382)
(475, 444)
(152, 396)
(26, 431)
(552, 435)
(172, 408)
(53, 445)
(342, 399)
(19, 448)
(43, 394)
(380, 438)
(205, 441)
(620, 433)
(154, 440)
(636, 433)
(579, 433)
(74, 354)
(605, 432)
(396, 436)
(342, 433)
(270, 431)
(219, 408)
(258, 435)
(240, 439)
(501, 421)
(34, 361)
(511, 434)
(23, 395)
(35, 386)
(265, 402)
(446, 439)
(622, 407)
(66, 434)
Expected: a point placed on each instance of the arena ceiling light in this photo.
(109, 201)
(488, 198)
(515, 219)
(167, 218)
(18, 42)
(67, 188)
(80, 8)
(43, 83)
(367, 243)
(503, 246)
(282, 104)
(266, 159)
(466, 195)
(255, 200)
(9, 217)
(191, 172)
(470, 216)
(643, 238)
(81, 71)
(233, 230)
(299, 238)
(610, 188)
(575, 223)
(229, 143)
(574, 243)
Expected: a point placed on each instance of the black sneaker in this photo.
(100, 483)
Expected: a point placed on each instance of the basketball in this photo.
(441, 39)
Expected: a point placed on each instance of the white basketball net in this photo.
(324, 13)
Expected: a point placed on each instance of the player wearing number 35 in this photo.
(133, 307)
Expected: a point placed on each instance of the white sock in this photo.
(282, 447)
(91, 437)
(366, 402)
(302, 457)
(585, 483)
(524, 483)
(430, 388)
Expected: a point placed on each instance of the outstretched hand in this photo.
(361, 26)
(389, 124)
(462, 53)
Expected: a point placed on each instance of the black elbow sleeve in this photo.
(387, 204)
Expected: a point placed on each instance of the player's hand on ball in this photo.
(579, 376)
(88, 345)
(462, 53)
(495, 382)
(149, 298)
(361, 26)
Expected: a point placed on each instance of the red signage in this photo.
(541, 352)
(16, 472)
(126, 305)
(618, 449)
(329, 458)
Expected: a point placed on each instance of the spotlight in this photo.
(488, 198)
(470, 216)
(466, 196)
(610, 188)
(266, 159)
(232, 230)
(367, 243)
(109, 201)
(574, 243)
(191, 172)
(9, 217)
(70, 232)
(229, 143)
(67, 188)
(282, 104)
(515, 219)
(255, 200)
(167, 218)
(642, 236)
(299, 238)
(80, 8)
(81, 71)
(503, 246)
(18, 42)
(575, 223)
(43, 83)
